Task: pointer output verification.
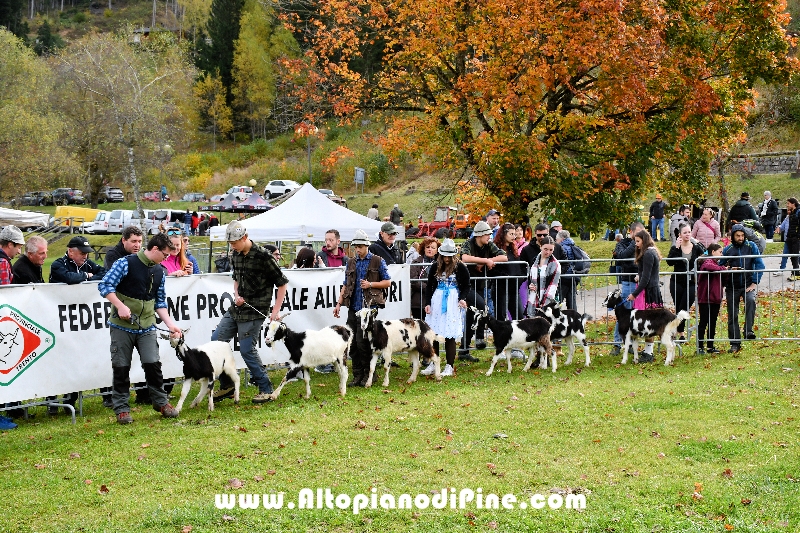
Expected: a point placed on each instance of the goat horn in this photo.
(280, 318)
(187, 329)
(165, 337)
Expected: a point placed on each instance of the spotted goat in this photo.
(391, 336)
(635, 324)
(567, 325)
(308, 349)
(525, 334)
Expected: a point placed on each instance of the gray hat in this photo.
(13, 234)
(235, 231)
(361, 237)
(555, 224)
(482, 228)
(448, 248)
(81, 244)
(388, 227)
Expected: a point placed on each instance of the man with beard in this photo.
(741, 283)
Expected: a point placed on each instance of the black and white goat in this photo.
(308, 349)
(568, 325)
(204, 364)
(390, 336)
(525, 334)
(638, 324)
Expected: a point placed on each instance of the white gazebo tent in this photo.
(306, 216)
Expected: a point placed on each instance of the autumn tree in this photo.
(138, 91)
(210, 95)
(30, 154)
(582, 104)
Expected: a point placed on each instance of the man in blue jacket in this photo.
(75, 265)
(741, 258)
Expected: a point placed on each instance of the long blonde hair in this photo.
(182, 259)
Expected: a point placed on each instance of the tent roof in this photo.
(305, 216)
(24, 219)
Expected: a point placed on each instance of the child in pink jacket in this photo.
(709, 295)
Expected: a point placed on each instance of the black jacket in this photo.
(65, 270)
(742, 210)
(113, 254)
(771, 218)
(26, 272)
(657, 209)
(462, 280)
(626, 249)
(390, 255)
(529, 253)
(793, 232)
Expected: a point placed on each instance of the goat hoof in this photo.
(488, 373)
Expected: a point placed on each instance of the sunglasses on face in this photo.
(541, 234)
(174, 232)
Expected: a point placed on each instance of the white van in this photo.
(119, 219)
(98, 226)
(147, 224)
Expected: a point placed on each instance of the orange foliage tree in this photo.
(581, 103)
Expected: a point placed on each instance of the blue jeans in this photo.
(784, 258)
(657, 223)
(248, 333)
(627, 288)
(187, 226)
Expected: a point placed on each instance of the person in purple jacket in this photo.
(709, 296)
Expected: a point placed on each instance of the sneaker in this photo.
(793, 278)
(776, 273)
(751, 336)
(6, 423)
(107, 403)
(735, 349)
(222, 394)
(646, 358)
(480, 344)
(616, 350)
(324, 369)
(167, 411)
(701, 351)
(464, 355)
(262, 397)
(124, 418)
(448, 371)
(430, 369)
(712, 350)
(517, 354)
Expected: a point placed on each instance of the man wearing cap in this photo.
(255, 276)
(480, 254)
(657, 210)
(364, 280)
(75, 266)
(742, 210)
(555, 227)
(396, 216)
(135, 286)
(28, 268)
(741, 283)
(384, 246)
(11, 243)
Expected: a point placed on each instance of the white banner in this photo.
(54, 338)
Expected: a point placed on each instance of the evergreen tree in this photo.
(12, 18)
(47, 42)
(215, 54)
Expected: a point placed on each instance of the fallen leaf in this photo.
(141, 457)
(727, 473)
(228, 518)
(100, 432)
(361, 424)
(186, 529)
(258, 478)
(470, 515)
(728, 527)
(87, 481)
(146, 445)
(745, 501)
(500, 436)
(271, 472)
(698, 487)
(414, 455)
(697, 496)
(243, 429)
(103, 489)
(40, 466)
(491, 466)
(661, 455)
(235, 483)
(492, 525)
(74, 455)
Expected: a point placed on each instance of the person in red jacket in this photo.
(709, 296)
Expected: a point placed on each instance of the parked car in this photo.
(33, 198)
(239, 192)
(332, 196)
(98, 226)
(217, 198)
(119, 219)
(279, 187)
(194, 197)
(108, 194)
(154, 196)
(65, 195)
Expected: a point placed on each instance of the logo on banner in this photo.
(22, 343)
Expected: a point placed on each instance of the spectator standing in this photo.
(706, 230)
(332, 255)
(682, 216)
(555, 227)
(682, 257)
(396, 215)
(647, 261)
(177, 264)
(306, 258)
(782, 229)
(212, 221)
(481, 256)
(202, 226)
(373, 212)
(792, 236)
(768, 215)
(163, 193)
(189, 256)
(364, 280)
(519, 239)
(384, 246)
(493, 219)
(419, 275)
(195, 222)
(135, 286)
(709, 296)
(445, 302)
(544, 276)
(187, 222)
(742, 210)
(569, 283)
(255, 275)
(11, 243)
(626, 249)
(657, 209)
(530, 252)
(507, 287)
(741, 284)
(28, 268)
(413, 253)
(75, 265)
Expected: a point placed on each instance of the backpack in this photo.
(581, 258)
(755, 237)
(753, 224)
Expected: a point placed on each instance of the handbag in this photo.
(639, 303)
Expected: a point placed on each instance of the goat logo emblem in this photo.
(22, 342)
